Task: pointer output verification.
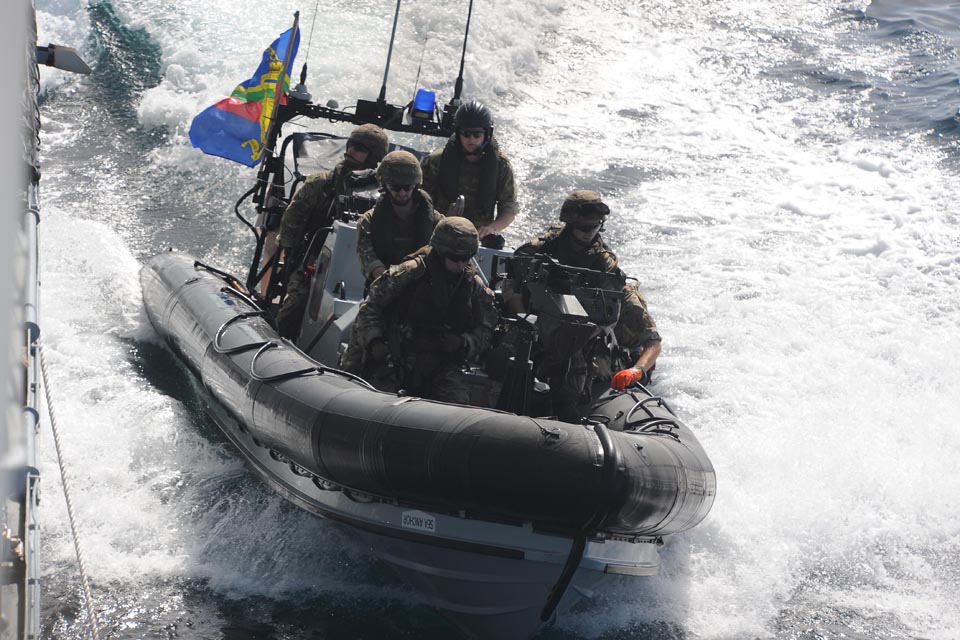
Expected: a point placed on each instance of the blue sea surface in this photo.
(925, 92)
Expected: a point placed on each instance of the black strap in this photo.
(569, 568)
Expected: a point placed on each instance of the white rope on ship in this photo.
(91, 613)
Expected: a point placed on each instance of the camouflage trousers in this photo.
(425, 375)
(571, 367)
(290, 316)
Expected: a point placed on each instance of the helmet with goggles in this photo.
(373, 139)
(583, 206)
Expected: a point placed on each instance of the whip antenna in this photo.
(301, 90)
(383, 88)
(416, 83)
(458, 88)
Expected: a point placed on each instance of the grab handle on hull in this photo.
(651, 423)
(217, 272)
(219, 348)
(296, 373)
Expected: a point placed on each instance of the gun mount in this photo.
(566, 294)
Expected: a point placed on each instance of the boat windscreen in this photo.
(315, 151)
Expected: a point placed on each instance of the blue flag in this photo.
(236, 127)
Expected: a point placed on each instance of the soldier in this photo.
(577, 243)
(428, 315)
(401, 222)
(471, 164)
(314, 207)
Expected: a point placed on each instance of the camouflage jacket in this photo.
(480, 207)
(636, 325)
(409, 280)
(313, 206)
(380, 228)
(557, 244)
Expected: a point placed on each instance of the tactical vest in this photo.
(384, 224)
(485, 200)
(433, 306)
(559, 245)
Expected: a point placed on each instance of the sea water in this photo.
(783, 182)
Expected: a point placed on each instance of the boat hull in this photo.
(486, 513)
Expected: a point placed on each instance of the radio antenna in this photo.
(458, 88)
(383, 88)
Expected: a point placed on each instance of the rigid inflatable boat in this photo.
(494, 514)
(500, 517)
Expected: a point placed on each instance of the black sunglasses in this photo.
(587, 228)
(458, 257)
(358, 146)
(396, 188)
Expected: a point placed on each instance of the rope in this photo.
(91, 613)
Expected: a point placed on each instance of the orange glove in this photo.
(626, 377)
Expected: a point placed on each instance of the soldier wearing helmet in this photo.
(313, 207)
(578, 243)
(400, 222)
(471, 164)
(429, 314)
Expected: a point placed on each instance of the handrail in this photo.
(279, 376)
(223, 274)
(217, 346)
(642, 404)
(650, 424)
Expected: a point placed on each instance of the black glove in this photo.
(450, 343)
(379, 351)
(361, 178)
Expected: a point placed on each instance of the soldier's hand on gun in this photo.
(626, 377)
(379, 351)
(450, 343)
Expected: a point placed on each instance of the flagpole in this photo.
(266, 165)
(278, 90)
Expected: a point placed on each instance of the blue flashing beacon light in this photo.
(423, 105)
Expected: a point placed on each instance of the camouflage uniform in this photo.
(482, 192)
(405, 235)
(634, 327)
(314, 206)
(411, 306)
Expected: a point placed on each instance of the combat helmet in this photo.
(474, 115)
(374, 139)
(400, 167)
(583, 206)
(455, 236)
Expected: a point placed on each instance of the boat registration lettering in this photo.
(419, 520)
